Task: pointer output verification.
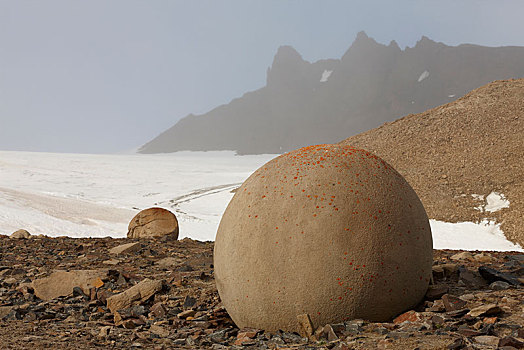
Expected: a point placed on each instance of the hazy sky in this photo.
(109, 75)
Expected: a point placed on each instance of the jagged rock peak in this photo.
(286, 54)
(394, 44)
(287, 65)
(424, 40)
(362, 44)
(363, 38)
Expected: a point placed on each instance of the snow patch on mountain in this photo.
(495, 201)
(325, 75)
(423, 76)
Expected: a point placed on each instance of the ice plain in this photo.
(88, 195)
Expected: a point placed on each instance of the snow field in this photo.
(84, 195)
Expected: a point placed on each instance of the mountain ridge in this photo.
(328, 100)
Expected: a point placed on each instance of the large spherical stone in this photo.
(328, 230)
(153, 222)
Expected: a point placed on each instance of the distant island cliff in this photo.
(326, 101)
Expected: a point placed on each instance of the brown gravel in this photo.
(474, 145)
(186, 311)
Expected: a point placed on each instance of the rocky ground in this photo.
(160, 294)
(456, 154)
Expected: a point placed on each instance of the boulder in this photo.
(20, 234)
(142, 291)
(61, 283)
(169, 262)
(125, 248)
(330, 231)
(5, 310)
(153, 222)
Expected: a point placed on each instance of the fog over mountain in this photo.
(326, 101)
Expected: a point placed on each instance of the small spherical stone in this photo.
(20, 234)
(153, 222)
(330, 231)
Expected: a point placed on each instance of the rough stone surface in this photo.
(20, 234)
(453, 303)
(487, 340)
(328, 230)
(153, 222)
(61, 283)
(142, 290)
(125, 248)
(485, 310)
(410, 316)
(306, 327)
(5, 310)
(499, 285)
(492, 275)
